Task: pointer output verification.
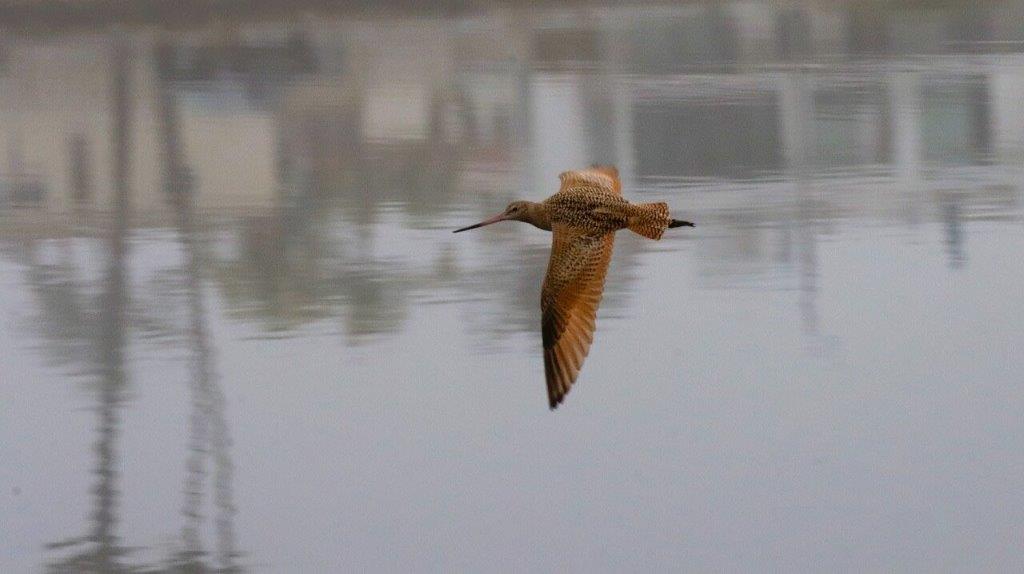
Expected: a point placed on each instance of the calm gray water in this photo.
(237, 334)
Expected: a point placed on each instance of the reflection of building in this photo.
(274, 98)
(728, 103)
(56, 110)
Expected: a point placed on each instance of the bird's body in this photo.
(583, 217)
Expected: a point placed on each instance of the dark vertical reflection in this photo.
(807, 239)
(79, 157)
(807, 200)
(793, 29)
(953, 229)
(981, 116)
(208, 432)
(103, 550)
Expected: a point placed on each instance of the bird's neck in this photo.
(538, 215)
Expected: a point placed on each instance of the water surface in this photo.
(237, 333)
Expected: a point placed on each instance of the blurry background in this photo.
(237, 333)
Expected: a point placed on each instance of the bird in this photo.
(583, 217)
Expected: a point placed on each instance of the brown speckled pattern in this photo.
(650, 219)
(584, 216)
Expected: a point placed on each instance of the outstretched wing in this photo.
(569, 300)
(604, 177)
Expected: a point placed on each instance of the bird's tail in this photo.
(649, 219)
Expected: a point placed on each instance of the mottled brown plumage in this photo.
(583, 216)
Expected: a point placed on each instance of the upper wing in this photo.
(605, 177)
(569, 300)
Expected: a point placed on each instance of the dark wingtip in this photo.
(679, 223)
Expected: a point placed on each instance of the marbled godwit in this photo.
(584, 216)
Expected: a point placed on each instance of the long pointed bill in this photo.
(495, 219)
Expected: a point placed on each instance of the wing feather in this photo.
(604, 177)
(569, 300)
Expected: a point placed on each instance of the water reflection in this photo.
(208, 430)
(336, 132)
(86, 321)
(101, 548)
(306, 172)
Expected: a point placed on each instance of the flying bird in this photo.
(583, 217)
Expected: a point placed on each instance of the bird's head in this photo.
(518, 210)
(527, 211)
